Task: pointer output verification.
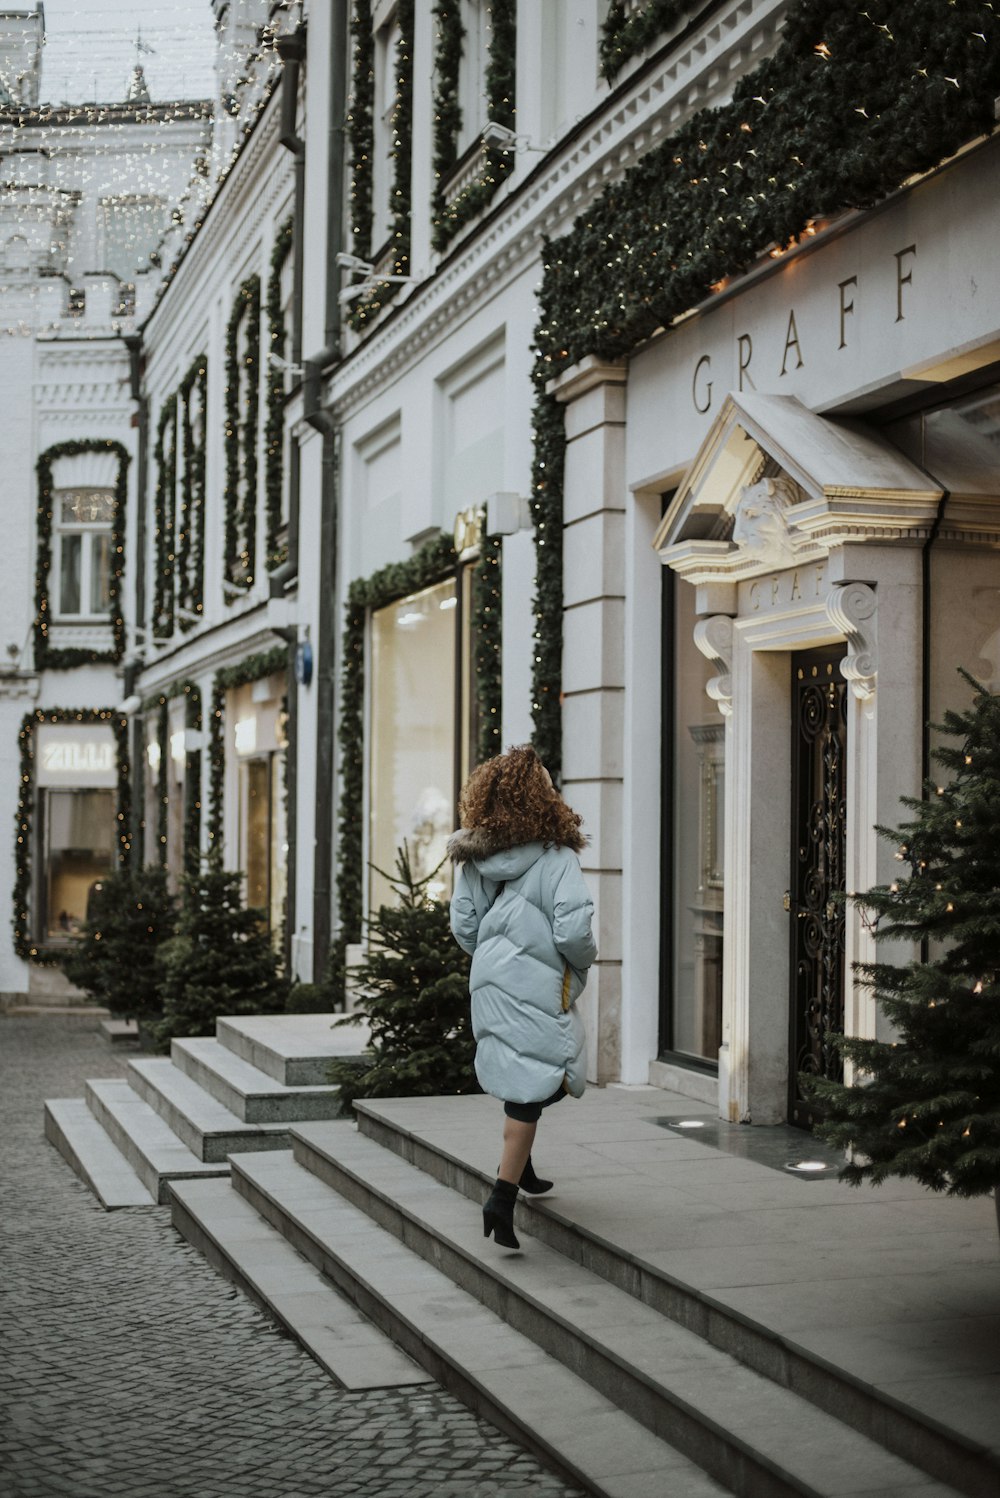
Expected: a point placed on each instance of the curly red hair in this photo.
(512, 798)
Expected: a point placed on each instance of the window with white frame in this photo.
(472, 71)
(387, 39)
(83, 561)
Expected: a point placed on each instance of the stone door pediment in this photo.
(774, 484)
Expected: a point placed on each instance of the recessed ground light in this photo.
(807, 1167)
(689, 1123)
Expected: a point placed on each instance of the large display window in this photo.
(77, 823)
(694, 849)
(415, 756)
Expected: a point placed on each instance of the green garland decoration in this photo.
(253, 668)
(487, 645)
(61, 659)
(851, 105)
(401, 154)
(190, 560)
(447, 109)
(433, 562)
(627, 32)
(24, 946)
(274, 428)
(360, 126)
(162, 783)
(165, 463)
(241, 436)
(500, 88)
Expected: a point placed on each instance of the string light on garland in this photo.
(242, 397)
(274, 429)
(450, 214)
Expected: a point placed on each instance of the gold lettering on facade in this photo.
(755, 596)
(791, 341)
(774, 590)
(705, 362)
(903, 278)
(745, 343)
(796, 590)
(846, 307)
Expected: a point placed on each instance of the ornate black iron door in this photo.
(819, 794)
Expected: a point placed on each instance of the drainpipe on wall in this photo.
(925, 667)
(133, 342)
(291, 49)
(322, 421)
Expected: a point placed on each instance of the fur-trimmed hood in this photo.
(474, 844)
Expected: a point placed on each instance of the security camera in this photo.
(500, 136)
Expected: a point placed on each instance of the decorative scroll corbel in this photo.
(714, 638)
(851, 609)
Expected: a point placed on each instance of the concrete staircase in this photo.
(628, 1383)
(179, 1118)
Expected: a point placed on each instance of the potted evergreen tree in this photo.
(414, 994)
(220, 962)
(927, 1104)
(118, 956)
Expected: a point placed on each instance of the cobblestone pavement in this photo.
(130, 1369)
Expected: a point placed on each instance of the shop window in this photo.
(415, 753)
(257, 720)
(78, 828)
(83, 520)
(694, 849)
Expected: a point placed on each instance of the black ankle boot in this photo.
(531, 1183)
(498, 1214)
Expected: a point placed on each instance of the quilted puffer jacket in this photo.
(524, 915)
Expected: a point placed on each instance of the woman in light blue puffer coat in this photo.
(521, 908)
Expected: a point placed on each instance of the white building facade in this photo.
(481, 405)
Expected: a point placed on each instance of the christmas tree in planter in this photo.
(117, 958)
(221, 961)
(415, 997)
(928, 1104)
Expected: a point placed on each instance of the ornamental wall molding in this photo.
(852, 609)
(481, 260)
(714, 638)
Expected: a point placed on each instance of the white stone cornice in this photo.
(852, 610)
(714, 638)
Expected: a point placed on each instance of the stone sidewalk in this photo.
(130, 1369)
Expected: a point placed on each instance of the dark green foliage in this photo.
(361, 128)
(932, 1107)
(190, 565)
(220, 962)
(117, 959)
(487, 645)
(242, 397)
(854, 101)
(165, 463)
(274, 429)
(415, 998)
(309, 998)
(626, 33)
(499, 86)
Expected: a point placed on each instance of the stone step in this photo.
(145, 1139)
(495, 1370)
(294, 1049)
(733, 1421)
(898, 1426)
(237, 1241)
(253, 1095)
(120, 1031)
(208, 1128)
(83, 1143)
